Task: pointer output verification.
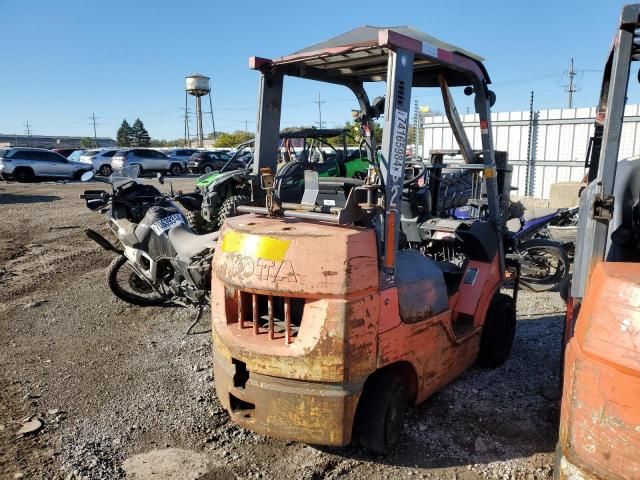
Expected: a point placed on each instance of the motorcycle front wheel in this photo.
(544, 264)
(125, 284)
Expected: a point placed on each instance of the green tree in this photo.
(227, 140)
(354, 129)
(139, 135)
(86, 142)
(123, 136)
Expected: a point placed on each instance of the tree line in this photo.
(133, 135)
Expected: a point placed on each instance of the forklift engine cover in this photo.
(318, 281)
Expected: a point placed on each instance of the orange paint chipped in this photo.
(600, 420)
(307, 389)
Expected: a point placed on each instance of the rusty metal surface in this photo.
(600, 419)
(305, 385)
(289, 409)
(317, 259)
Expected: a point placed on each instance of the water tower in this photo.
(198, 86)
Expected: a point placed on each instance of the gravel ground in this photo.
(122, 391)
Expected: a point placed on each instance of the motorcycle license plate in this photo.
(167, 223)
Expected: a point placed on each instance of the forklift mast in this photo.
(597, 199)
(404, 58)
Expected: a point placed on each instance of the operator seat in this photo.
(422, 292)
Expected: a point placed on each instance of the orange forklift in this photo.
(600, 413)
(332, 315)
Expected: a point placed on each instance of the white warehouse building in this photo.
(559, 141)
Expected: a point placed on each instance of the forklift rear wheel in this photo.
(381, 415)
(498, 332)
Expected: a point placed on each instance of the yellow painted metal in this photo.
(256, 246)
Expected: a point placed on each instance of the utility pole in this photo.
(319, 102)
(416, 127)
(246, 125)
(571, 88)
(95, 136)
(28, 127)
(530, 171)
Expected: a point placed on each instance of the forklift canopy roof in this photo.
(314, 133)
(362, 55)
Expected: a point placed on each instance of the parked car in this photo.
(207, 162)
(65, 152)
(147, 159)
(182, 154)
(100, 160)
(24, 164)
(75, 156)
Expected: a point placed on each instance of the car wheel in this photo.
(207, 169)
(105, 170)
(175, 169)
(23, 175)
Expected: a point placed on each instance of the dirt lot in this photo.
(122, 390)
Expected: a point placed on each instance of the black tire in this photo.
(229, 207)
(175, 169)
(381, 411)
(207, 169)
(542, 253)
(195, 221)
(105, 170)
(23, 175)
(498, 331)
(130, 295)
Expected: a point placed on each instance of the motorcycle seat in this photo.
(188, 244)
(532, 213)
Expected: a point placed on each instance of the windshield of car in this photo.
(91, 153)
(124, 175)
(76, 155)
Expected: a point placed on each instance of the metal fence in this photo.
(558, 141)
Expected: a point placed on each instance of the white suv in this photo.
(100, 160)
(24, 164)
(147, 159)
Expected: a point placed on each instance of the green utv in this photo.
(325, 151)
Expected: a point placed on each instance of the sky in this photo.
(65, 60)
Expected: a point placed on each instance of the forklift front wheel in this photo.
(498, 332)
(381, 412)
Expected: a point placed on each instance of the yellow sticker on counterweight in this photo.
(256, 246)
(489, 172)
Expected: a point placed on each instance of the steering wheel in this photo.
(414, 164)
